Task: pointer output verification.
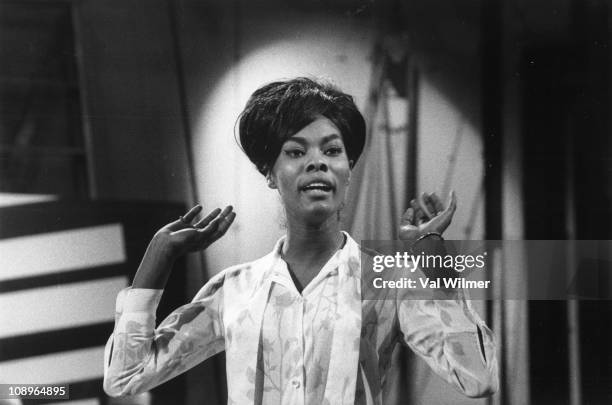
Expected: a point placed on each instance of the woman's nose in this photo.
(317, 164)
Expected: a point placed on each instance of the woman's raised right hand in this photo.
(177, 238)
(188, 235)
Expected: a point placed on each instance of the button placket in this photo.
(298, 381)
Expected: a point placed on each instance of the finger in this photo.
(224, 225)
(215, 230)
(206, 220)
(436, 202)
(191, 214)
(215, 218)
(421, 202)
(452, 202)
(206, 232)
(227, 210)
(446, 216)
(213, 225)
(184, 220)
(408, 216)
(419, 215)
(427, 205)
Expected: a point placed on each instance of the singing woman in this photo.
(293, 323)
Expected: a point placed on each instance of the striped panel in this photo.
(55, 368)
(12, 199)
(61, 267)
(46, 253)
(41, 309)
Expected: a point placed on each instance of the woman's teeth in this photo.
(317, 186)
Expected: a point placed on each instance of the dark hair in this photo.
(279, 110)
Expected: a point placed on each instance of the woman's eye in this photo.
(333, 151)
(294, 153)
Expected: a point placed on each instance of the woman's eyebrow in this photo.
(324, 140)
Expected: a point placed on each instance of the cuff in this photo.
(458, 316)
(138, 300)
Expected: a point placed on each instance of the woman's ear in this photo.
(351, 164)
(270, 181)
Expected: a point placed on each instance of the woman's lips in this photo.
(321, 185)
(317, 191)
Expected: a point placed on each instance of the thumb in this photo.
(451, 206)
(408, 217)
(442, 221)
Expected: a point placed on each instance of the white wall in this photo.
(450, 157)
(277, 45)
(283, 44)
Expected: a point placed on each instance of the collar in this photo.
(346, 259)
(344, 358)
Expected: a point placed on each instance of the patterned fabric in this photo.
(323, 346)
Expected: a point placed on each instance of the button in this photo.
(296, 384)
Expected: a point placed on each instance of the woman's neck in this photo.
(312, 243)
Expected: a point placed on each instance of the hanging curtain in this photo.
(376, 199)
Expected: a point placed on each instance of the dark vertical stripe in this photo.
(492, 116)
(492, 101)
(412, 140)
(592, 128)
(545, 100)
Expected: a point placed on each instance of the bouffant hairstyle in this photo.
(279, 110)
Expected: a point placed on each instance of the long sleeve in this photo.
(450, 336)
(139, 357)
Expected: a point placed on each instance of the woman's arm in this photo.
(450, 336)
(138, 356)
(447, 333)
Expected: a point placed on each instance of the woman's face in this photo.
(312, 172)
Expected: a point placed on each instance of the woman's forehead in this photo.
(321, 129)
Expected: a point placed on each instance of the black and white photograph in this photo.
(306, 202)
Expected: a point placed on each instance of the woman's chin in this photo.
(319, 212)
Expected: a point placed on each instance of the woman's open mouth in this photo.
(318, 188)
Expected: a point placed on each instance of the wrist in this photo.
(429, 243)
(433, 235)
(161, 250)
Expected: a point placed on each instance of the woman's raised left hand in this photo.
(427, 214)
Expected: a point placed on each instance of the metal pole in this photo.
(573, 316)
(92, 183)
(180, 77)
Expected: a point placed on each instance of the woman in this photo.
(293, 324)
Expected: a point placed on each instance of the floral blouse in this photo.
(323, 346)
